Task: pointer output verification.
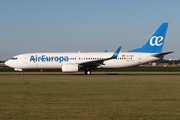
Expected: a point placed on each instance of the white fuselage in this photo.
(56, 60)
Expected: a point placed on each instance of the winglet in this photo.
(116, 53)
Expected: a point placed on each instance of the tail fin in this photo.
(155, 42)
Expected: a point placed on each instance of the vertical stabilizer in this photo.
(155, 42)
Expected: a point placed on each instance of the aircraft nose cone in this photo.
(7, 63)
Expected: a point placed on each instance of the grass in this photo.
(90, 97)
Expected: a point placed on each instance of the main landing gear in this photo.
(22, 73)
(88, 72)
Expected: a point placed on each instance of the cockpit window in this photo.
(13, 58)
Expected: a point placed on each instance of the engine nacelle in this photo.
(70, 67)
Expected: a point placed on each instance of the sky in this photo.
(28, 26)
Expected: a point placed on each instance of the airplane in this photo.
(73, 62)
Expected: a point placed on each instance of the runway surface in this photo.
(112, 74)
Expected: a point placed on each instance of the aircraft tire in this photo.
(22, 73)
(88, 72)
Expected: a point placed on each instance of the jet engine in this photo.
(70, 67)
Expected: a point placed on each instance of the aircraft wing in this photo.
(96, 63)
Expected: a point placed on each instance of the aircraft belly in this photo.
(44, 65)
(118, 64)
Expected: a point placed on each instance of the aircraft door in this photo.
(139, 58)
(78, 59)
(25, 59)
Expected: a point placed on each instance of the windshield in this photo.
(13, 58)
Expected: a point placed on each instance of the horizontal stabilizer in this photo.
(162, 54)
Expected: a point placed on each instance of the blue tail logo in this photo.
(155, 42)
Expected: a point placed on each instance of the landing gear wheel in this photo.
(21, 72)
(88, 72)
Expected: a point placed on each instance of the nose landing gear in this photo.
(22, 73)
